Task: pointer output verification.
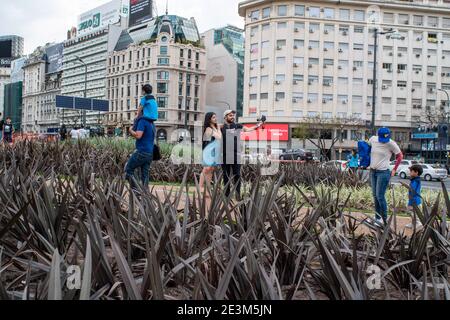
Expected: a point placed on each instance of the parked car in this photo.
(257, 158)
(338, 164)
(430, 172)
(405, 164)
(276, 153)
(297, 154)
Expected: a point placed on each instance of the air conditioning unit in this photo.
(294, 100)
(322, 10)
(277, 82)
(324, 101)
(309, 101)
(429, 56)
(295, 47)
(310, 48)
(355, 68)
(418, 55)
(295, 65)
(262, 66)
(250, 84)
(296, 30)
(399, 71)
(391, 54)
(340, 67)
(325, 49)
(309, 82)
(279, 48)
(344, 101)
(340, 50)
(443, 74)
(448, 74)
(369, 104)
(419, 39)
(443, 57)
(370, 52)
(326, 32)
(344, 33)
(251, 68)
(413, 90)
(327, 84)
(384, 87)
(295, 82)
(431, 90)
(310, 66)
(276, 99)
(400, 55)
(252, 34)
(430, 73)
(406, 22)
(324, 66)
(311, 31)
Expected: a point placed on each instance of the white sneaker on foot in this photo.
(379, 221)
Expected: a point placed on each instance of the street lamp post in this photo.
(85, 86)
(376, 32)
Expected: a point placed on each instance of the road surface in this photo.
(435, 185)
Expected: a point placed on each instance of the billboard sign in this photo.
(100, 17)
(269, 132)
(54, 58)
(5, 53)
(140, 11)
(76, 103)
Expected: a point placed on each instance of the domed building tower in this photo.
(166, 53)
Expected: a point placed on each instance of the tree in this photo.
(319, 131)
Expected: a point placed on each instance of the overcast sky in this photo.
(43, 21)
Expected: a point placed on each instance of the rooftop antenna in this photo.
(167, 7)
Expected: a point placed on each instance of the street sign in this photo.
(396, 36)
(431, 135)
(76, 103)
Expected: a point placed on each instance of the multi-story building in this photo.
(5, 74)
(13, 93)
(85, 57)
(39, 112)
(11, 47)
(225, 69)
(166, 53)
(314, 60)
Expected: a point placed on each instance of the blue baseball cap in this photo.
(384, 135)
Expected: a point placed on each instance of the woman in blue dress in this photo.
(212, 141)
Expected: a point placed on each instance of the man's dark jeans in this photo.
(380, 182)
(140, 160)
(232, 171)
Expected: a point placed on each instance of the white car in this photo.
(430, 172)
(405, 164)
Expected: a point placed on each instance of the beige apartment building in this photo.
(309, 60)
(169, 58)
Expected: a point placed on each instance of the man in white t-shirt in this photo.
(75, 134)
(383, 148)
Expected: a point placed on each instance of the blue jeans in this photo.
(140, 160)
(380, 182)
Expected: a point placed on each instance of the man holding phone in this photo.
(231, 166)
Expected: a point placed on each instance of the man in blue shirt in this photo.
(144, 133)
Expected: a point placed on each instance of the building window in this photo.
(264, 96)
(314, 12)
(162, 87)
(282, 25)
(162, 102)
(163, 61)
(279, 96)
(253, 97)
(254, 15)
(300, 11)
(281, 60)
(282, 11)
(329, 13)
(265, 27)
(358, 15)
(344, 14)
(181, 53)
(163, 75)
(266, 13)
(418, 20)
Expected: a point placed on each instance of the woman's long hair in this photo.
(208, 123)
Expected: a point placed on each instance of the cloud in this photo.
(44, 21)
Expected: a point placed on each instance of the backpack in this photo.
(364, 150)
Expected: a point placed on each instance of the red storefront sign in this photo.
(269, 132)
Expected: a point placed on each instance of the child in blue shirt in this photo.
(415, 190)
(148, 106)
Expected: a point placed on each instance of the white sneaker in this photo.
(411, 226)
(379, 221)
